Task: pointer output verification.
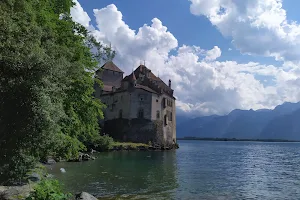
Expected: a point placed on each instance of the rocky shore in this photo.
(23, 191)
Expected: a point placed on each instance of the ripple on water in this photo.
(198, 170)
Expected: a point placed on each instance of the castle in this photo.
(140, 107)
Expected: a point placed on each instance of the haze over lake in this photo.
(198, 170)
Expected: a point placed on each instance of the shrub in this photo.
(104, 143)
(70, 148)
(48, 189)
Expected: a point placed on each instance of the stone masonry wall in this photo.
(136, 130)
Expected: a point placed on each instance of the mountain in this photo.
(246, 124)
(192, 125)
(180, 119)
(283, 127)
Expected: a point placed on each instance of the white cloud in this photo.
(255, 26)
(79, 15)
(213, 54)
(202, 84)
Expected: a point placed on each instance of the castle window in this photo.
(112, 107)
(170, 116)
(156, 100)
(141, 113)
(121, 114)
(157, 114)
(165, 120)
(164, 102)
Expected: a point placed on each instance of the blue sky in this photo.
(222, 79)
(187, 28)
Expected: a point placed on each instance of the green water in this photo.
(122, 174)
(197, 170)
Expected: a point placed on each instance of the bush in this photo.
(48, 189)
(69, 148)
(103, 143)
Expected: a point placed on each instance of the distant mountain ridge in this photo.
(281, 123)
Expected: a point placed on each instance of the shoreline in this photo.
(238, 140)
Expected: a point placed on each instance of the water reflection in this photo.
(123, 174)
(198, 170)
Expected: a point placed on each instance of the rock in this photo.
(93, 158)
(62, 170)
(50, 161)
(82, 157)
(93, 151)
(86, 157)
(85, 196)
(34, 177)
(15, 192)
(142, 148)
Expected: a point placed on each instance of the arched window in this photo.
(141, 113)
(121, 114)
(157, 114)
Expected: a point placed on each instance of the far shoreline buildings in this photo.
(140, 107)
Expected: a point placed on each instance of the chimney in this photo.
(169, 83)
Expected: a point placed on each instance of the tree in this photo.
(46, 84)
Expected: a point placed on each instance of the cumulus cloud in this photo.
(203, 85)
(79, 15)
(255, 26)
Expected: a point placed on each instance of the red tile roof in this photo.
(111, 66)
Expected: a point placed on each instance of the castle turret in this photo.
(132, 79)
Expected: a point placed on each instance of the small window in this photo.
(170, 116)
(156, 100)
(164, 102)
(165, 120)
(141, 113)
(121, 114)
(157, 114)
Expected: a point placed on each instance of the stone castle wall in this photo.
(137, 130)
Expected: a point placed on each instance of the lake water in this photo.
(198, 170)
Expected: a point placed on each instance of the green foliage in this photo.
(69, 147)
(48, 189)
(130, 145)
(46, 85)
(104, 143)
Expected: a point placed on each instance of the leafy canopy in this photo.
(46, 84)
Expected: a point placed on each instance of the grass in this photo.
(130, 144)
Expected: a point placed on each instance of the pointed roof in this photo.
(132, 77)
(111, 66)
